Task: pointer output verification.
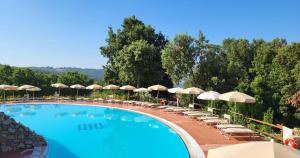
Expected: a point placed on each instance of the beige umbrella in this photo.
(94, 87)
(237, 97)
(128, 88)
(112, 87)
(176, 90)
(59, 86)
(11, 88)
(158, 88)
(193, 91)
(254, 150)
(34, 89)
(4, 87)
(25, 87)
(77, 87)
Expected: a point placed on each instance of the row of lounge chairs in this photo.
(205, 117)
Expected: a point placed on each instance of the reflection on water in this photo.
(153, 125)
(95, 115)
(125, 118)
(80, 113)
(58, 115)
(32, 106)
(172, 131)
(13, 109)
(27, 114)
(139, 119)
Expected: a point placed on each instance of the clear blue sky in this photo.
(69, 32)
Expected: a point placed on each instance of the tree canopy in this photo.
(133, 54)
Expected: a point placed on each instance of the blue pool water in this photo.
(75, 131)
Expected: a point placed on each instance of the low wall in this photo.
(15, 136)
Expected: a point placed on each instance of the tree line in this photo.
(267, 70)
(22, 76)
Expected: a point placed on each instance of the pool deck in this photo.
(207, 137)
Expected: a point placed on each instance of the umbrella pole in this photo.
(77, 94)
(157, 96)
(128, 95)
(177, 100)
(58, 92)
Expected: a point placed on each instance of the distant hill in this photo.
(92, 73)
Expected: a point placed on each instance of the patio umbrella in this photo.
(94, 87)
(112, 87)
(3, 87)
(25, 87)
(254, 150)
(128, 88)
(236, 97)
(77, 87)
(210, 95)
(59, 86)
(176, 91)
(34, 89)
(158, 88)
(193, 91)
(141, 90)
(11, 88)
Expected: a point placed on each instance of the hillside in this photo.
(92, 73)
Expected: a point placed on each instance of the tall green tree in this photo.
(179, 57)
(129, 48)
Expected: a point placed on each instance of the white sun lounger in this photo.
(233, 131)
(224, 126)
(206, 118)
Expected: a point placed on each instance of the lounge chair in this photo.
(229, 132)
(224, 126)
(207, 118)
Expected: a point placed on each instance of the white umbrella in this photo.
(193, 91)
(176, 91)
(77, 87)
(112, 87)
(128, 88)
(158, 88)
(25, 87)
(210, 95)
(59, 86)
(237, 97)
(142, 90)
(94, 87)
(34, 89)
(254, 150)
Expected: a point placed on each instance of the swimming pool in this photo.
(77, 131)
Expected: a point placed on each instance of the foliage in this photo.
(21, 76)
(133, 54)
(178, 57)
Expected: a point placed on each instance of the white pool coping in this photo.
(193, 147)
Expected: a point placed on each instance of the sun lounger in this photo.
(236, 131)
(215, 121)
(224, 126)
(206, 118)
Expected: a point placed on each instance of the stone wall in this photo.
(15, 136)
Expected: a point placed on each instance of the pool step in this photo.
(90, 126)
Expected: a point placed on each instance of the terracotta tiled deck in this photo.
(206, 137)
